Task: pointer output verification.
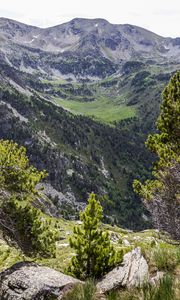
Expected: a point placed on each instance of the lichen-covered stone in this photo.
(133, 272)
(33, 282)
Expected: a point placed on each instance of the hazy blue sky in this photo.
(159, 16)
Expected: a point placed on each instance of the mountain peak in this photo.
(89, 20)
(96, 37)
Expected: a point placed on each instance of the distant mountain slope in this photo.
(123, 41)
(59, 49)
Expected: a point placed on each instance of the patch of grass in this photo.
(82, 292)
(178, 254)
(163, 291)
(101, 109)
(75, 293)
(166, 257)
(8, 256)
(123, 295)
(147, 243)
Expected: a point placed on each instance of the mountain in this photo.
(101, 43)
(82, 97)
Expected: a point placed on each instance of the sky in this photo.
(159, 16)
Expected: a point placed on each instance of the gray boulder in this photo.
(29, 281)
(133, 272)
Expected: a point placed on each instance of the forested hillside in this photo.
(80, 155)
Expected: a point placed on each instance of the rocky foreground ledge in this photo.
(133, 272)
(29, 281)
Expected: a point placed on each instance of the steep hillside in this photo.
(80, 155)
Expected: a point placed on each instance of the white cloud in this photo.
(160, 16)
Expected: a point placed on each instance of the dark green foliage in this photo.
(16, 173)
(166, 144)
(94, 253)
(130, 66)
(162, 193)
(169, 120)
(19, 219)
(139, 78)
(34, 232)
(90, 65)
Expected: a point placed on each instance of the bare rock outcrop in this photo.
(132, 272)
(33, 282)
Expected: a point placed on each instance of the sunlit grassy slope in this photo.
(114, 98)
(150, 242)
(101, 109)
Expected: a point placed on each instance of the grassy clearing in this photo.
(109, 106)
(163, 291)
(102, 109)
(8, 255)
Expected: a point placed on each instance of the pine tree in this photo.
(35, 233)
(19, 219)
(16, 174)
(94, 253)
(162, 194)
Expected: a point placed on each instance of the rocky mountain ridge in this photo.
(47, 50)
